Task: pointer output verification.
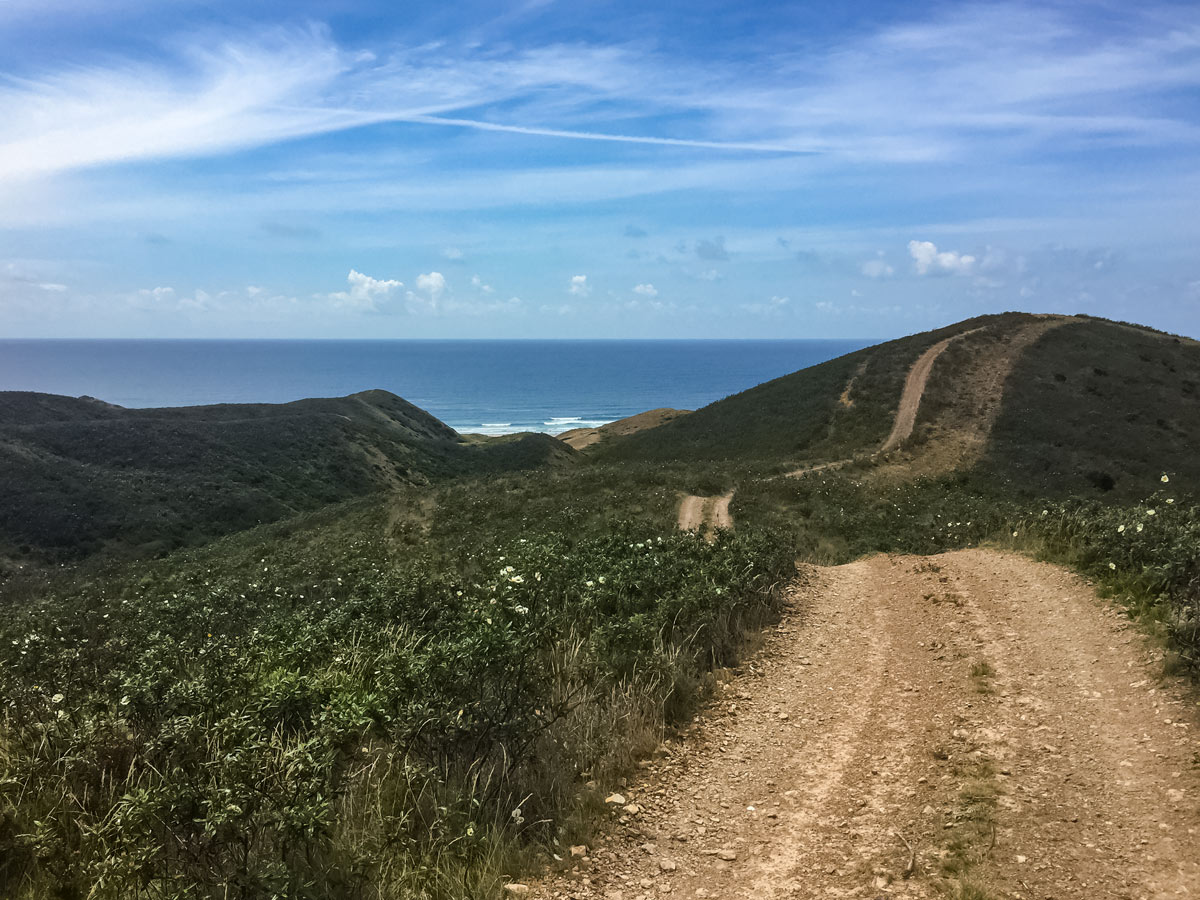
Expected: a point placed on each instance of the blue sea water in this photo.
(490, 387)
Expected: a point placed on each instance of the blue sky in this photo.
(593, 169)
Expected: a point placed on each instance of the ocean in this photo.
(488, 387)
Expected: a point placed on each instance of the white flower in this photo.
(517, 579)
(1170, 499)
(1120, 529)
(1164, 479)
(1014, 534)
(1112, 565)
(57, 698)
(601, 579)
(1150, 512)
(1140, 526)
(537, 576)
(589, 584)
(521, 610)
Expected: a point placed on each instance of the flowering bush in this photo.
(1147, 552)
(326, 716)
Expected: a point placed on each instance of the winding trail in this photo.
(914, 390)
(913, 725)
(698, 513)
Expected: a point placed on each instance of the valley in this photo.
(919, 621)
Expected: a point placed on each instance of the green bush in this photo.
(1146, 553)
(330, 720)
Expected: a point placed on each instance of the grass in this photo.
(969, 840)
(329, 712)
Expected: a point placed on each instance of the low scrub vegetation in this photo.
(1147, 555)
(323, 716)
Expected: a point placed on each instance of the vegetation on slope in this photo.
(403, 695)
(320, 714)
(1094, 406)
(78, 476)
(829, 411)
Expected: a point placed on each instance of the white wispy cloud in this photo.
(578, 286)
(646, 290)
(219, 98)
(1007, 74)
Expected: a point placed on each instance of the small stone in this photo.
(579, 851)
(632, 808)
(616, 799)
(667, 865)
(1021, 860)
(516, 889)
(727, 855)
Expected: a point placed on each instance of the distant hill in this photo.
(78, 476)
(1047, 404)
(827, 411)
(579, 438)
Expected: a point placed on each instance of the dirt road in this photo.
(914, 389)
(707, 514)
(972, 719)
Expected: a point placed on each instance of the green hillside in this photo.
(78, 476)
(428, 688)
(830, 411)
(1096, 406)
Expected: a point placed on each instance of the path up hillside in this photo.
(837, 410)
(1099, 408)
(1058, 405)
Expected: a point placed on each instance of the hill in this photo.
(437, 688)
(826, 411)
(579, 438)
(1099, 406)
(1052, 405)
(78, 476)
